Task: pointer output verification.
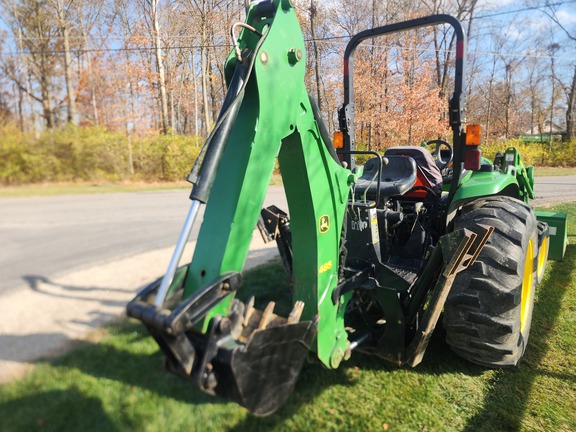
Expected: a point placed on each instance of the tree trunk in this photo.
(26, 71)
(489, 107)
(195, 83)
(204, 69)
(72, 111)
(570, 130)
(18, 93)
(160, 68)
(213, 91)
(129, 104)
(206, 107)
(91, 86)
(64, 25)
(46, 98)
(313, 12)
(170, 93)
(509, 96)
(552, 49)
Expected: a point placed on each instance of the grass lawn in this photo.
(48, 189)
(119, 383)
(554, 171)
(92, 188)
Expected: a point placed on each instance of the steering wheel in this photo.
(442, 161)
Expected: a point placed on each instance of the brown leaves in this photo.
(397, 98)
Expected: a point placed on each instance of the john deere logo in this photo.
(324, 224)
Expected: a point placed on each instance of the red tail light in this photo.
(472, 158)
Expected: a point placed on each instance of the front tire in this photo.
(543, 248)
(488, 312)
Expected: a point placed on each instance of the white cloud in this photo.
(567, 16)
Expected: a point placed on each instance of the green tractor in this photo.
(376, 253)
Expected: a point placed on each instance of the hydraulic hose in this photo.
(216, 142)
(214, 148)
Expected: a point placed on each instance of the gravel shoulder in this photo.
(54, 315)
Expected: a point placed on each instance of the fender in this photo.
(479, 184)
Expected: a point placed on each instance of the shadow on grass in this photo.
(132, 359)
(315, 379)
(36, 412)
(146, 371)
(131, 366)
(505, 404)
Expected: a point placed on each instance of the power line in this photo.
(469, 53)
(110, 50)
(226, 45)
(83, 38)
(191, 47)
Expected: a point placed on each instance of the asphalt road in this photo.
(50, 236)
(549, 190)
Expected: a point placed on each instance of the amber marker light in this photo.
(338, 139)
(473, 134)
(472, 154)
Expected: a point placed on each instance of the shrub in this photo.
(558, 154)
(76, 153)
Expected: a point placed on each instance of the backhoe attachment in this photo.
(369, 255)
(248, 351)
(250, 356)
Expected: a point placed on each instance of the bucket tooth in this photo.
(267, 316)
(296, 313)
(249, 311)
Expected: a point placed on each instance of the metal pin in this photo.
(264, 57)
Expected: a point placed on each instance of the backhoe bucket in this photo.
(261, 374)
(250, 357)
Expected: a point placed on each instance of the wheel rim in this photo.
(542, 256)
(527, 286)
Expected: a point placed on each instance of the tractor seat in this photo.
(396, 177)
(428, 172)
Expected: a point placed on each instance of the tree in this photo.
(570, 118)
(552, 12)
(150, 7)
(313, 15)
(409, 114)
(445, 38)
(63, 15)
(534, 94)
(33, 21)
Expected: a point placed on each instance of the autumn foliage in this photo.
(398, 102)
(113, 90)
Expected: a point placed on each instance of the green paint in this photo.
(276, 118)
(480, 184)
(512, 178)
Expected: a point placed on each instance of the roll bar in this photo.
(457, 101)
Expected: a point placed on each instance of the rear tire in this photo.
(488, 312)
